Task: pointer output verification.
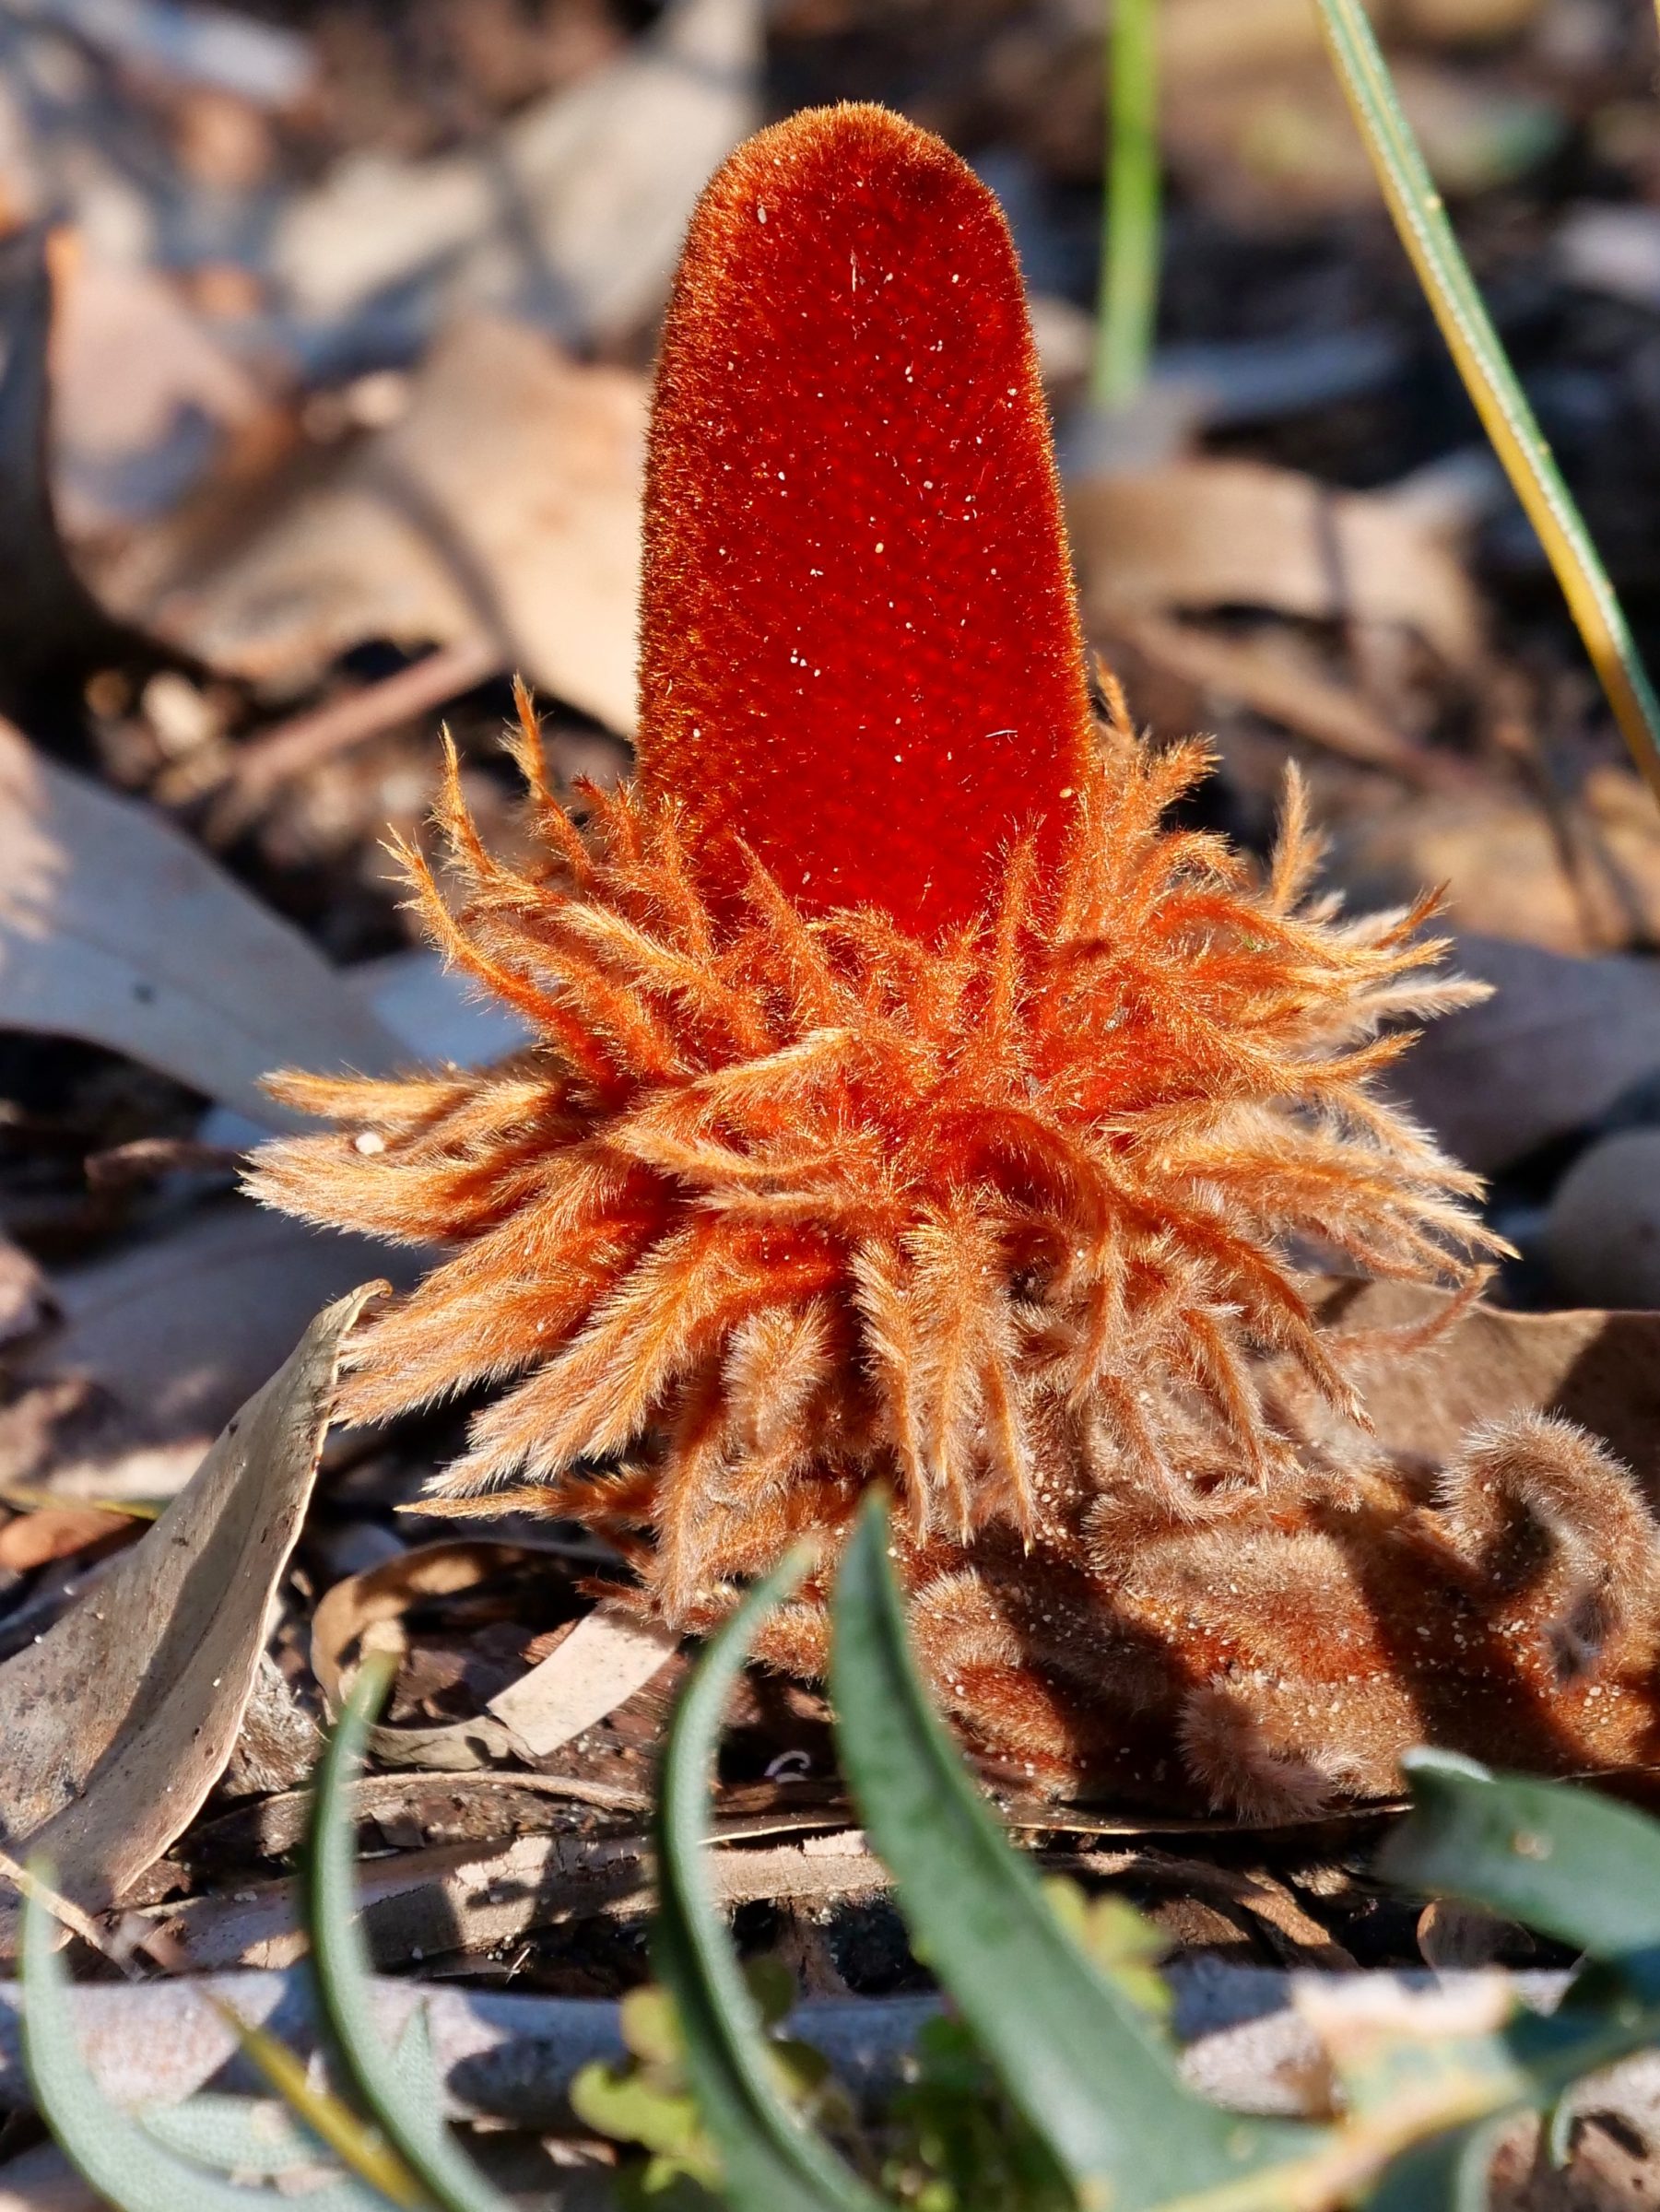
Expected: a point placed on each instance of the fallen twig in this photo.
(292, 747)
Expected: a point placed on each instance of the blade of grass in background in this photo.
(1129, 224)
(1491, 383)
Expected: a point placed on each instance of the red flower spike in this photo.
(860, 651)
(781, 1199)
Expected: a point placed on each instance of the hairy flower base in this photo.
(1276, 1656)
(780, 1205)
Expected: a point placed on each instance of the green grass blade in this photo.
(112, 2151)
(771, 2164)
(1561, 1860)
(1128, 312)
(233, 2134)
(1505, 414)
(408, 2112)
(356, 2144)
(1074, 2053)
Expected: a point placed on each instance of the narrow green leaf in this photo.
(410, 2112)
(1476, 348)
(1076, 2053)
(359, 2147)
(233, 2134)
(1128, 310)
(772, 2162)
(112, 2152)
(1558, 1859)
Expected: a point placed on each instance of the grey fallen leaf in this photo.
(1602, 1230)
(504, 505)
(573, 215)
(162, 1342)
(1610, 249)
(279, 1742)
(192, 45)
(1600, 1370)
(159, 1343)
(605, 1658)
(118, 1723)
(145, 396)
(1549, 1053)
(114, 928)
(500, 2054)
(436, 1014)
(26, 1299)
(372, 1603)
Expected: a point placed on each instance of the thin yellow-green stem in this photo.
(1506, 416)
(1129, 226)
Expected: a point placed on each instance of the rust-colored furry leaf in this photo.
(1025, 1200)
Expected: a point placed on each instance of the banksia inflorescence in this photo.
(908, 1103)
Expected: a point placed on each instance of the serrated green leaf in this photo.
(771, 2164)
(1558, 1859)
(630, 2108)
(1074, 2055)
(407, 2107)
(651, 2026)
(112, 2151)
(1115, 1938)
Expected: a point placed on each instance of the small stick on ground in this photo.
(294, 746)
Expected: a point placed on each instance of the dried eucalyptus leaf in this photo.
(120, 1720)
(116, 929)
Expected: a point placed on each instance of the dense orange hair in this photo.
(908, 1100)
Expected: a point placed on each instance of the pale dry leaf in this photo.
(1560, 1041)
(1274, 140)
(500, 2051)
(1255, 673)
(377, 1599)
(1600, 1370)
(604, 1659)
(58, 1532)
(1602, 1233)
(369, 1605)
(1194, 535)
(1455, 1935)
(445, 1898)
(504, 505)
(279, 1742)
(162, 1342)
(1584, 878)
(26, 1301)
(144, 395)
(121, 1719)
(1230, 38)
(1462, 22)
(573, 213)
(114, 928)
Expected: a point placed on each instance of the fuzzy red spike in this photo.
(860, 650)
